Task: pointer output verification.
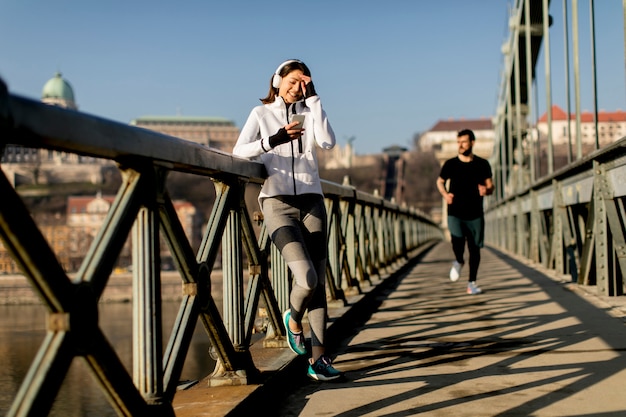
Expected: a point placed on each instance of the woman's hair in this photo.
(282, 72)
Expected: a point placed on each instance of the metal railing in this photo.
(571, 222)
(367, 235)
(571, 219)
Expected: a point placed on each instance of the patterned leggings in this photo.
(297, 226)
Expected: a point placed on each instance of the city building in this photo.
(84, 218)
(86, 214)
(214, 132)
(24, 165)
(611, 126)
(57, 91)
(441, 138)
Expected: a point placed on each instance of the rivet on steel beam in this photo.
(254, 270)
(59, 322)
(190, 288)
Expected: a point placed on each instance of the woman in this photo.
(292, 200)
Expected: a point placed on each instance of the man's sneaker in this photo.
(455, 271)
(472, 288)
(294, 340)
(322, 370)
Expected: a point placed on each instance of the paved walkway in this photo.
(531, 345)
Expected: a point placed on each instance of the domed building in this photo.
(24, 165)
(58, 92)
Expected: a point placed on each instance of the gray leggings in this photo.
(297, 226)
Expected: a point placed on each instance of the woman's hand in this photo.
(285, 134)
(293, 133)
(304, 80)
(306, 86)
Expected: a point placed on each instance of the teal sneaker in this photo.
(294, 340)
(322, 370)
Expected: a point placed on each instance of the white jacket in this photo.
(290, 171)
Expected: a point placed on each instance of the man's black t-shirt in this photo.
(464, 179)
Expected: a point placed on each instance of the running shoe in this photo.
(322, 370)
(294, 340)
(472, 288)
(455, 271)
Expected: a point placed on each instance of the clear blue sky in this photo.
(385, 70)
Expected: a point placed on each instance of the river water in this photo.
(22, 330)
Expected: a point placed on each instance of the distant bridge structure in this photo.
(570, 220)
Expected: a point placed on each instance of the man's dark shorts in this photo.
(473, 230)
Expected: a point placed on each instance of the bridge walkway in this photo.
(533, 344)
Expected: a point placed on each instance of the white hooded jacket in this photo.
(292, 167)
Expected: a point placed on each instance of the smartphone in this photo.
(298, 118)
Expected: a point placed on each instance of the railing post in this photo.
(361, 236)
(369, 241)
(557, 255)
(600, 233)
(281, 278)
(536, 252)
(148, 340)
(334, 248)
(351, 245)
(232, 273)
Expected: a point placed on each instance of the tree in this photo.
(422, 170)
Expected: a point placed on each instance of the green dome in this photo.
(58, 88)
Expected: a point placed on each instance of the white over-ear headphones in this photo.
(276, 79)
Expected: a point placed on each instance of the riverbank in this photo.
(16, 290)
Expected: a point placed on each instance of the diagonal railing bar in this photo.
(259, 284)
(211, 318)
(185, 323)
(385, 241)
(44, 377)
(335, 250)
(31, 251)
(360, 244)
(234, 314)
(209, 248)
(368, 241)
(178, 243)
(271, 289)
(586, 272)
(555, 257)
(374, 229)
(114, 379)
(180, 341)
(234, 360)
(108, 243)
(276, 291)
(571, 221)
(351, 255)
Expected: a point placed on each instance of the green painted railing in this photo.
(367, 235)
(571, 222)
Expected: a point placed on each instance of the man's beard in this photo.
(468, 152)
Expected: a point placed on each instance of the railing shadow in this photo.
(527, 345)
